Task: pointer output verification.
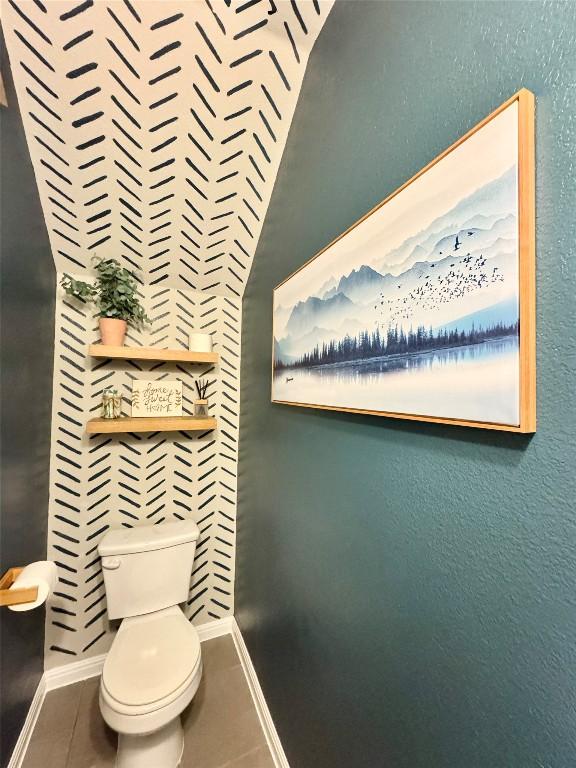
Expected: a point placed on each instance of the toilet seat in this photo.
(151, 660)
(151, 673)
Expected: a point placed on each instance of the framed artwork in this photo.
(425, 308)
(156, 398)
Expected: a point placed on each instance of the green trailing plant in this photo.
(114, 292)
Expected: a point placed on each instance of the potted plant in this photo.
(114, 293)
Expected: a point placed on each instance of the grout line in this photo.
(264, 745)
(73, 731)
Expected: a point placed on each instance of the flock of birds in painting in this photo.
(466, 274)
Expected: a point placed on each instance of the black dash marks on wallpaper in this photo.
(239, 113)
(209, 43)
(298, 15)
(90, 163)
(124, 111)
(246, 5)
(163, 124)
(271, 101)
(40, 82)
(122, 58)
(166, 49)
(124, 87)
(245, 58)
(164, 75)
(79, 71)
(163, 101)
(90, 142)
(87, 119)
(76, 10)
(79, 39)
(126, 133)
(206, 73)
(267, 125)
(292, 42)
(124, 30)
(46, 128)
(261, 147)
(250, 30)
(130, 7)
(168, 20)
(33, 50)
(30, 23)
(239, 87)
(42, 104)
(204, 100)
(279, 69)
(85, 95)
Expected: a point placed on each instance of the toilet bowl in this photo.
(154, 666)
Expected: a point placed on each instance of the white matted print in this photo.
(156, 398)
(415, 312)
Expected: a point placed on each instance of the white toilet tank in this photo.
(147, 568)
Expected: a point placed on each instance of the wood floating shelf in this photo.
(152, 353)
(151, 424)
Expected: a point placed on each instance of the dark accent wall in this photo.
(408, 591)
(27, 294)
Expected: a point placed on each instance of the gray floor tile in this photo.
(47, 753)
(52, 733)
(93, 744)
(256, 758)
(58, 713)
(221, 724)
(219, 653)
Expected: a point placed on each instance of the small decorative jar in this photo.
(111, 403)
(201, 409)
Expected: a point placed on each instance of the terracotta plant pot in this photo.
(112, 331)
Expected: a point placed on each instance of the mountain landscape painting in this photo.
(415, 310)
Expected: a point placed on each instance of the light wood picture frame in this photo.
(151, 398)
(424, 309)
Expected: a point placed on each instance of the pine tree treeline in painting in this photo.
(368, 345)
(416, 309)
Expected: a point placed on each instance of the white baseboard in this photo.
(274, 743)
(24, 739)
(215, 628)
(67, 674)
(82, 670)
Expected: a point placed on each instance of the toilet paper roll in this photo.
(42, 574)
(200, 342)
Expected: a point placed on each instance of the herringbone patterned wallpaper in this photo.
(155, 129)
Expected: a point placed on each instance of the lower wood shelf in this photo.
(150, 424)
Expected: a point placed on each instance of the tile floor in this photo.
(221, 725)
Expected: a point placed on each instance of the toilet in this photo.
(154, 666)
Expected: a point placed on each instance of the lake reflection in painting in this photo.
(475, 382)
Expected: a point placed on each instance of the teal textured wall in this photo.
(408, 591)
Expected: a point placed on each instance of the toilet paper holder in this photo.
(15, 596)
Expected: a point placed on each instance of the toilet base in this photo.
(161, 749)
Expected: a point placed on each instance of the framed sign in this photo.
(425, 308)
(156, 398)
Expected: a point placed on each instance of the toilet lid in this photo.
(151, 657)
